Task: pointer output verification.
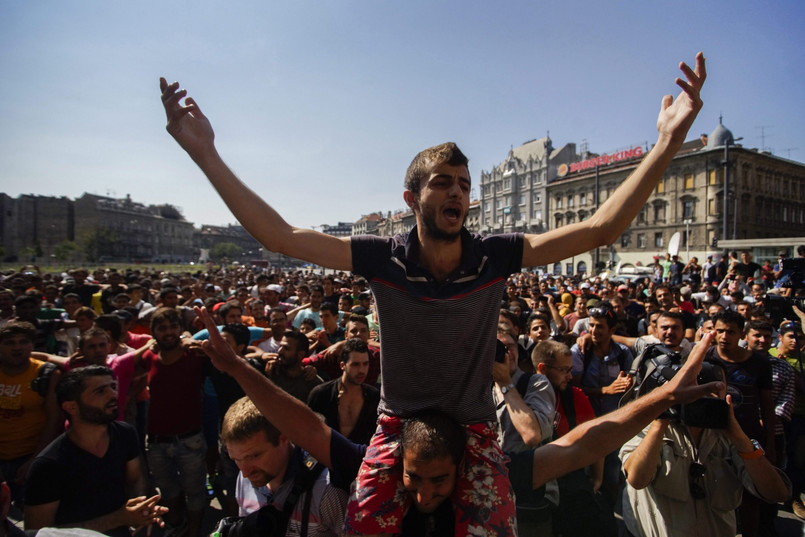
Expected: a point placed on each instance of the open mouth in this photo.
(452, 213)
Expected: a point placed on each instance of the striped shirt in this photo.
(438, 337)
(783, 381)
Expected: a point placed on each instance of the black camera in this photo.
(500, 351)
(658, 364)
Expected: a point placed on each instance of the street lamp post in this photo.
(687, 222)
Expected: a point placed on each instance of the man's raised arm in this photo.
(289, 415)
(595, 438)
(618, 211)
(193, 131)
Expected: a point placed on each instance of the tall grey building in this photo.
(513, 194)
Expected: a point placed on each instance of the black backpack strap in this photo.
(523, 383)
(41, 382)
(569, 405)
(311, 468)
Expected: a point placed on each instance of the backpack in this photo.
(42, 381)
(655, 366)
(269, 521)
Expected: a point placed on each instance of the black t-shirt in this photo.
(85, 486)
(747, 270)
(346, 460)
(745, 380)
(84, 292)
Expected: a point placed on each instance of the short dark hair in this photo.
(243, 420)
(308, 322)
(301, 342)
(223, 311)
(432, 435)
(277, 310)
(95, 331)
(329, 306)
(758, 325)
(71, 383)
(112, 324)
(238, 331)
(673, 315)
(353, 344)
(165, 314)
(356, 318)
(18, 328)
(316, 287)
(446, 153)
(23, 299)
(730, 317)
(165, 291)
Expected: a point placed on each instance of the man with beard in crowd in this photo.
(90, 476)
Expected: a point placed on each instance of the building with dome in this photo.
(712, 190)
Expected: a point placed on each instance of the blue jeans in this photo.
(178, 466)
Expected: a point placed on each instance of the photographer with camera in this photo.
(686, 478)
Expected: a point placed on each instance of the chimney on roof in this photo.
(703, 138)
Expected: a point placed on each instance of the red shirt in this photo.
(175, 393)
(584, 411)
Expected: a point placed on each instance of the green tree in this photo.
(97, 242)
(227, 250)
(66, 251)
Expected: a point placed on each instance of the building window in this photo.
(521, 199)
(641, 216)
(569, 201)
(558, 221)
(498, 204)
(625, 240)
(507, 184)
(538, 214)
(714, 205)
(521, 181)
(687, 209)
(583, 198)
(537, 199)
(487, 207)
(641, 240)
(558, 203)
(661, 186)
(659, 212)
(658, 240)
(688, 181)
(716, 177)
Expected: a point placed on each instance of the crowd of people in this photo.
(133, 341)
(500, 405)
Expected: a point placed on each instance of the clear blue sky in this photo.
(320, 106)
